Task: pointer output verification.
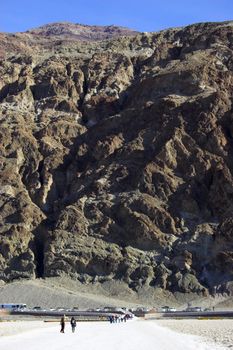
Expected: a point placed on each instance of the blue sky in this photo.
(143, 15)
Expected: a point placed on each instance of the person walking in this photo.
(62, 323)
(73, 324)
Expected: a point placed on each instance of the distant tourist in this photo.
(73, 324)
(62, 323)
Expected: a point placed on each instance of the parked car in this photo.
(168, 309)
(172, 309)
(194, 309)
(36, 308)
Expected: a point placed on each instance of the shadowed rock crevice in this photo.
(39, 256)
(38, 245)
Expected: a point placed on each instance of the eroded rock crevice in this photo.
(39, 257)
(39, 245)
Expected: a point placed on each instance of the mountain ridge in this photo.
(81, 31)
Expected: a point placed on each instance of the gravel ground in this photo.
(218, 331)
(64, 292)
(48, 294)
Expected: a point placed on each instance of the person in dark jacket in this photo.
(62, 323)
(73, 324)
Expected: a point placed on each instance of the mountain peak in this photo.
(81, 31)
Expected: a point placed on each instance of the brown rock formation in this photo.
(116, 156)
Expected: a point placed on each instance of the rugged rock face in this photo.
(117, 158)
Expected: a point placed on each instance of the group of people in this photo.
(119, 318)
(73, 324)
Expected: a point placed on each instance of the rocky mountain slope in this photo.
(117, 158)
(58, 35)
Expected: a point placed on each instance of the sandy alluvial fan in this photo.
(116, 156)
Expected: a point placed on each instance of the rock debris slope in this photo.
(117, 156)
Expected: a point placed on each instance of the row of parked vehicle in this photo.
(188, 309)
